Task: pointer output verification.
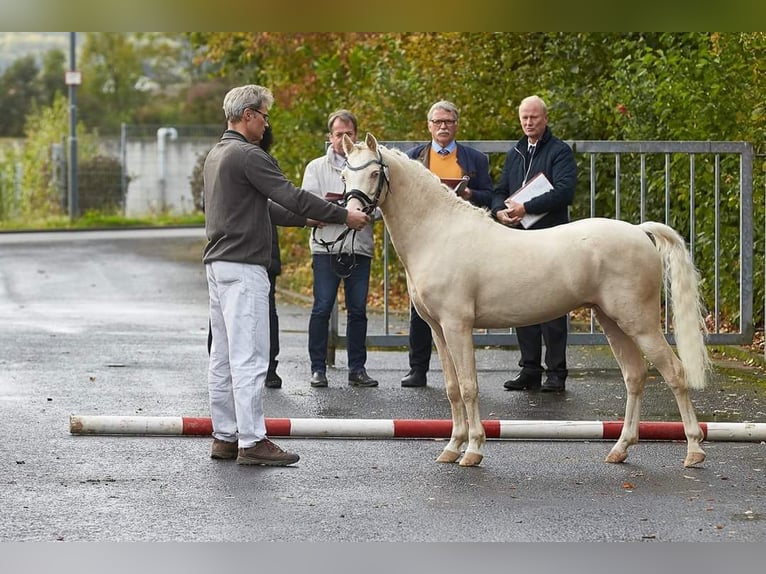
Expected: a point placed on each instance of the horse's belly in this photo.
(520, 313)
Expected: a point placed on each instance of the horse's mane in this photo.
(428, 182)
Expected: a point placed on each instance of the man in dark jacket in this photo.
(273, 380)
(538, 151)
(450, 161)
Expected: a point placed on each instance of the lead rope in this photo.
(344, 266)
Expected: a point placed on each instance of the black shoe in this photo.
(361, 379)
(318, 379)
(553, 385)
(273, 380)
(414, 378)
(523, 382)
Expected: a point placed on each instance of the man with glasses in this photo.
(244, 191)
(335, 257)
(452, 162)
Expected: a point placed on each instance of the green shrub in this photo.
(99, 184)
(196, 182)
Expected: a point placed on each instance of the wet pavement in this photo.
(115, 323)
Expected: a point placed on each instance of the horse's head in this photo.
(366, 174)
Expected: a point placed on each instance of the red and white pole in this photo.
(413, 428)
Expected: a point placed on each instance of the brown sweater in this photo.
(239, 180)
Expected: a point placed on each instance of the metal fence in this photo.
(667, 181)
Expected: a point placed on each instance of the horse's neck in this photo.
(412, 211)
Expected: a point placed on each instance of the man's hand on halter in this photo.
(356, 218)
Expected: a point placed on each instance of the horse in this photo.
(464, 270)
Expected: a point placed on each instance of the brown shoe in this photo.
(223, 450)
(266, 452)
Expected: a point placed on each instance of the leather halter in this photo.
(370, 204)
(342, 268)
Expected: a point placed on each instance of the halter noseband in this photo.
(369, 204)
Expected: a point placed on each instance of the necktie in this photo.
(444, 151)
(531, 150)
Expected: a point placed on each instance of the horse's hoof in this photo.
(694, 458)
(616, 457)
(448, 456)
(471, 459)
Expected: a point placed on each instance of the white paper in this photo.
(538, 185)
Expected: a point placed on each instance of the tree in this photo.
(621, 86)
(18, 91)
(51, 76)
(111, 67)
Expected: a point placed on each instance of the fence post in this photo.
(333, 336)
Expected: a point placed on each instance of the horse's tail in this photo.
(688, 321)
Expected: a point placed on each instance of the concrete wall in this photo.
(159, 179)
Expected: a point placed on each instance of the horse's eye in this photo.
(374, 174)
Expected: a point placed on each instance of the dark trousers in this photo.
(421, 341)
(355, 287)
(273, 326)
(554, 334)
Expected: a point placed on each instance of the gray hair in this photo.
(342, 115)
(446, 106)
(535, 100)
(238, 99)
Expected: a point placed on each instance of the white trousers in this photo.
(239, 355)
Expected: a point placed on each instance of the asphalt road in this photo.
(115, 323)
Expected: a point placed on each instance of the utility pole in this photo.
(73, 79)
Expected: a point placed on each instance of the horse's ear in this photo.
(371, 142)
(347, 144)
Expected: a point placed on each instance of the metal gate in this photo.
(637, 181)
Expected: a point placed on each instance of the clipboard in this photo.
(336, 198)
(457, 184)
(536, 186)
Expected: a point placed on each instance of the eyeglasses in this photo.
(445, 122)
(266, 117)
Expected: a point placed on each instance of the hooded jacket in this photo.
(322, 176)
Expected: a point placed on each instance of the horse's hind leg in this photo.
(634, 369)
(659, 352)
(459, 434)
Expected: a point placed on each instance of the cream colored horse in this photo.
(464, 270)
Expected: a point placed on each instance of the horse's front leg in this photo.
(459, 343)
(459, 434)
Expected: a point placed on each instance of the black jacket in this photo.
(556, 160)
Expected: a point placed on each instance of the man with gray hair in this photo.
(452, 162)
(244, 191)
(538, 151)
